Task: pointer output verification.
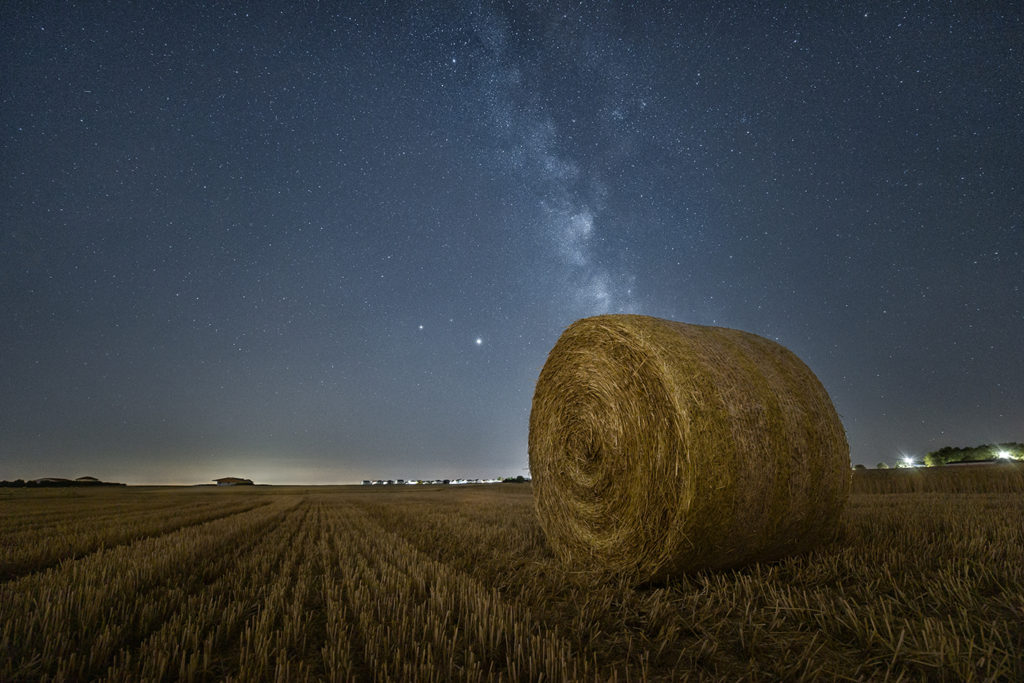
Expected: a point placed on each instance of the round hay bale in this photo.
(659, 447)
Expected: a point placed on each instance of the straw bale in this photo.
(658, 447)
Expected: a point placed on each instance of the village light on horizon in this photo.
(908, 461)
(1005, 455)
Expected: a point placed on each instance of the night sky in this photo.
(321, 243)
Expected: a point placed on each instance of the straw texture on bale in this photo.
(658, 447)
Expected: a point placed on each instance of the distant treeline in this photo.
(54, 483)
(951, 454)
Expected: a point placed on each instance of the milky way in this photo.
(568, 197)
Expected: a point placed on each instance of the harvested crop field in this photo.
(459, 583)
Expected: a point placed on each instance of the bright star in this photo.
(479, 341)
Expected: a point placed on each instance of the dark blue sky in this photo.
(318, 243)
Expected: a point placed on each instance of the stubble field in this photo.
(457, 583)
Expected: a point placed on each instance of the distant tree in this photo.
(882, 466)
(944, 455)
(858, 466)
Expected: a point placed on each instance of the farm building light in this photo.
(908, 461)
(1005, 455)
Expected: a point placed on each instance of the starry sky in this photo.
(318, 243)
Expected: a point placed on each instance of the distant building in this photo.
(233, 481)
